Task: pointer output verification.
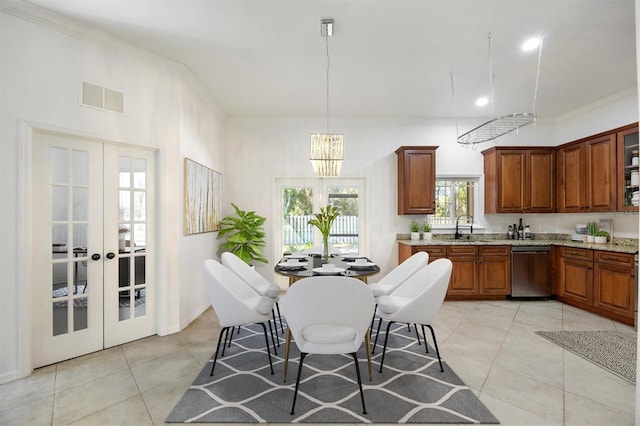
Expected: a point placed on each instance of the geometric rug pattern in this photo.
(411, 388)
(615, 351)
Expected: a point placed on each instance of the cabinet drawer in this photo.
(435, 252)
(494, 251)
(462, 251)
(576, 253)
(617, 259)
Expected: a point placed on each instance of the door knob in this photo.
(111, 255)
(95, 256)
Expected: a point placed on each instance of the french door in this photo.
(93, 246)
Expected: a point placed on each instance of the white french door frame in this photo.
(24, 285)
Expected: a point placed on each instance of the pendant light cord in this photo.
(492, 76)
(326, 38)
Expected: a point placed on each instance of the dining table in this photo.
(298, 266)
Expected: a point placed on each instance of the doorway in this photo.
(93, 246)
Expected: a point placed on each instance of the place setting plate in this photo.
(328, 271)
(360, 265)
(292, 265)
(295, 256)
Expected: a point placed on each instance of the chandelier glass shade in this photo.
(327, 153)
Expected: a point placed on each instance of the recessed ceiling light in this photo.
(531, 44)
(482, 101)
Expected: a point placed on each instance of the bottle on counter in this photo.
(527, 232)
(510, 233)
(520, 230)
(515, 232)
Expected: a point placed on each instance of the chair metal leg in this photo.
(424, 335)
(226, 336)
(275, 352)
(418, 335)
(409, 327)
(375, 343)
(367, 342)
(295, 392)
(275, 326)
(355, 360)
(266, 339)
(215, 357)
(384, 348)
(435, 344)
(280, 317)
(287, 346)
(373, 318)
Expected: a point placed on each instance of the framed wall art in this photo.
(202, 198)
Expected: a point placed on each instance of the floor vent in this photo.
(99, 97)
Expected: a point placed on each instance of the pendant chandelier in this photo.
(326, 148)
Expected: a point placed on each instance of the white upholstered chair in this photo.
(235, 303)
(328, 315)
(417, 300)
(254, 279)
(395, 278)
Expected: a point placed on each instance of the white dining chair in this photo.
(395, 278)
(328, 315)
(417, 301)
(235, 303)
(255, 280)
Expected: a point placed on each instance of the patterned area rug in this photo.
(614, 351)
(411, 388)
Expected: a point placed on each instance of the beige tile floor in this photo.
(522, 378)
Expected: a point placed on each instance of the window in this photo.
(301, 198)
(455, 197)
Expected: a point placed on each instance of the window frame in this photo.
(478, 199)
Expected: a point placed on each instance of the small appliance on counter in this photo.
(580, 232)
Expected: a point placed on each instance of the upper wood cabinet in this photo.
(416, 179)
(519, 180)
(587, 180)
(627, 150)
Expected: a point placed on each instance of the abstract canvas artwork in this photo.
(202, 198)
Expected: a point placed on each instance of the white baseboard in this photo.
(9, 377)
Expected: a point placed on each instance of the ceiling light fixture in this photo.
(482, 101)
(500, 126)
(531, 44)
(327, 150)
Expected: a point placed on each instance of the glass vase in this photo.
(325, 248)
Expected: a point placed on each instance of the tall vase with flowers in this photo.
(323, 221)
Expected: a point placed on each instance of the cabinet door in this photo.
(495, 275)
(464, 277)
(600, 174)
(540, 194)
(627, 149)
(576, 280)
(511, 181)
(416, 180)
(614, 289)
(570, 182)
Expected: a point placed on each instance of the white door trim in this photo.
(24, 234)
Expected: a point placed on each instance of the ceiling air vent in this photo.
(99, 97)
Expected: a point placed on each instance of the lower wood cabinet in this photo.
(598, 281)
(479, 272)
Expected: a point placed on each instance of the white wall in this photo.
(260, 150)
(44, 61)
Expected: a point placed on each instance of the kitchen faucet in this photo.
(458, 235)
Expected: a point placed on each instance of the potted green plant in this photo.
(592, 229)
(323, 221)
(415, 228)
(245, 235)
(426, 231)
(601, 237)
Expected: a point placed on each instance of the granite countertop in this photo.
(620, 245)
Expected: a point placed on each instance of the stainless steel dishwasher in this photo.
(530, 272)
